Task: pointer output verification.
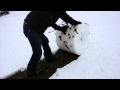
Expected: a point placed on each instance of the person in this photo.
(35, 24)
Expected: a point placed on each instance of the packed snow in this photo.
(75, 36)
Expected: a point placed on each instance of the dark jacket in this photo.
(41, 20)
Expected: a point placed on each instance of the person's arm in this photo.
(64, 16)
(53, 23)
(56, 27)
(62, 29)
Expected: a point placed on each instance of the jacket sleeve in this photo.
(55, 26)
(64, 16)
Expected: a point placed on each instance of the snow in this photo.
(101, 60)
(75, 36)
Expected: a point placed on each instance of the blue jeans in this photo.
(36, 41)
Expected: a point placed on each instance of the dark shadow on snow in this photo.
(49, 68)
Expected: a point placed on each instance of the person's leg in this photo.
(46, 47)
(47, 50)
(35, 41)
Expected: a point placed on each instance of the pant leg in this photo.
(35, 42)
(46, 47)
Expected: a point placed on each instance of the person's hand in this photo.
(64, 29)
(77, 22)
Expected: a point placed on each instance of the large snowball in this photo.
(75, 40)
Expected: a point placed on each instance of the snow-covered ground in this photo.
(101, 60)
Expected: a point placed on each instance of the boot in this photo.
(33, 74)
